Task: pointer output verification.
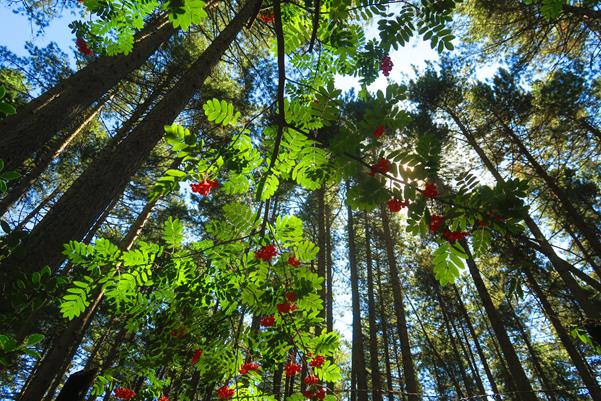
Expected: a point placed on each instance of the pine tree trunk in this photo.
(590, 308)
(385, 336)
(572, 214)
(109, 174)
(411, 383)
(479, 350)
(321, 243)
(329, 273)
(376, 379)
(37, 122)
(518, 375)
(579, 362)
(471, 358)
(35, 211)
(359, 385)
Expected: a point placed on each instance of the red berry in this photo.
(378, 132)
(225, 392)
(453, 236)
(83, 48)
(430, 191)
(248, 367)
(292, 368)
(267, 18)
(196, 356)
(321, 393)
(386, 65)
(436, 222)
(293, 261)
(266, 253)
(204, 187)
(395, 205)
(291, 296)
(163, 398)
(286, 307)
(317, 361)
(268, 321)
(382, 166)
(124, 393)
(311, 380)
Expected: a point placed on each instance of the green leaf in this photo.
(33, 339)
(193, 14)
(220, 112)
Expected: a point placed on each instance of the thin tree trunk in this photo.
(385, 336)
(35, 211)
(329, 273)
(109, 174)
(520, 380)
(321, 243)
(590, 308)
(411, 383)
(572, 214)
(479, 350)
(472, 358)
(359, 384)
(28, 131)
(579, 362)
(277, 382)
(376, 379)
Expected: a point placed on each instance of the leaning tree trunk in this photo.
(56, 362)
(359, 384)
(321, 243)
(376, 378)
(479, 350)
(329, 271)
(411, 383)
(579, 362)
(109, 174)
(518, 375)
(28, 131)
(591, 309)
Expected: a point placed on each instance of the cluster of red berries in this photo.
(395, 205)
(267, 321)
(248, 367)
(386, 65)
(436, 222)
(266, 253)
(196, 356)
(225, 392)
(317, 361)
(83, 47)
(267, 18)
(293, 261)
(291, 296)
(311, 380)
(453, 236)
(430, 191)
(163, 398)
(204, 187)
(378, 132)
(315, 395)
(124, 393)
(292, 369)
(286, 307)
(382, 166)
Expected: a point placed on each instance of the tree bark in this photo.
(591, 309)
(518, 375)
(109, 174)
(329, 271)
(385, 336)
(411, 383)
(321, 243)
(359, 384)
(579, 362)
(35, 123)
(376, 379)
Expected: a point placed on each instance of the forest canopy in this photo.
(195, 206)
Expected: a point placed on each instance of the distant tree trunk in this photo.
(37, 122)
(452, 341)
(36, 210)
(109, 174)
(321, 243)
(579, 362)
(591, 309)
(470, 327)
(518, 375)
(411, 383)
(376, 379)
(359, 384)
(329, 271)
(277, 382)
(534, 356)
(385, 336)
(471, 358)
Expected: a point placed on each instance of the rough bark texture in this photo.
(359, 382)
(109, 174)
(35, 123)
(519, 378)
(385, 337)
(411, 383)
